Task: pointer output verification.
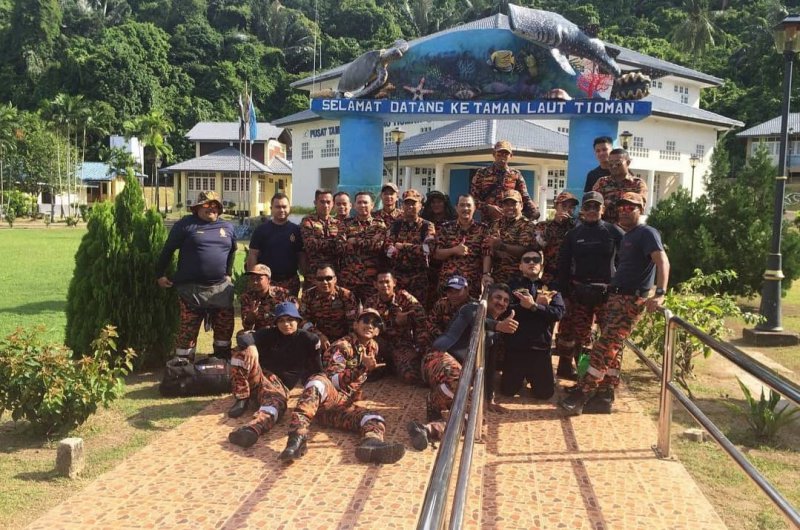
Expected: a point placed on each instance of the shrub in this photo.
(764, 420)
(698, 302)
(72, 221)
(10, 218)
(84, 211)
(42, 384)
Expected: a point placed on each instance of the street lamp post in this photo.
(693, 161)
(625, 139)
(787, 41)
(397, 135)
(157, 177)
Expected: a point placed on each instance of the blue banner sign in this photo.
(620, 109)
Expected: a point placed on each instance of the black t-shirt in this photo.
(278, 247)
(636, 269)
(291, 357)
(593, 176)
(589, 254)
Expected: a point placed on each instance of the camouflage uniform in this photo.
(321, 243)
(330, 318)
(258, 309)
(402, 344)
(548, 237)
(360, 262)
(469, 266)
(441, 371)
(220, 319)
(388, 217)
(511, 232)
(612, 190)
(485, 189)
(410, 265)
(442, 313)
(328, 396)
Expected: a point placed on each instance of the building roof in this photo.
(631, 59)
(228, 131)
(481, 135)
(771, 127)
(98, 171)
(280, 166)
(675, 109)
(297, 117)
(228, 159)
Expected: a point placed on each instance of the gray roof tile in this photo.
(667, 107)
(229, 131)
(227, 159)
(772, 127)
(280, 166)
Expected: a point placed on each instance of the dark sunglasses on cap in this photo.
(370, 320)
(325, 278)
(531, 259)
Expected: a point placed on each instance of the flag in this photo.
(253, 123)
(242, 116)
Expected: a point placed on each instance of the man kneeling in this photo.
(328, 396)
(269, 363)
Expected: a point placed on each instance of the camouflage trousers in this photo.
(360, 280)
(441, 371)
(404, 359)
(415, 282)
(221, 321)
(622, 314)
(333, 408)
(290, 284)
(248, 380)
(575, 329)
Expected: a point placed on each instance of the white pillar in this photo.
(650, 181)
(439, 174)
(406, 178)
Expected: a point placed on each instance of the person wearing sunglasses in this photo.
(329, 395)
(586, 263)
(328, 310)
(527, 352)
(620, 180)
(642, 263)
(549, 235)
(206, 246)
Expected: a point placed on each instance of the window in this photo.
(425, 129)
(637, 149)
(563, 130)
(424, 171)
(670, 153)
(330, 149)
(232, 183)
(657, 84)
(387, 138)
(772, 145)
(556, 181)
(683, 91)
(306, 152)
(700, 150)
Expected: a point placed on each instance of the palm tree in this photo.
(66, 111)
(697, 32)
(152, 128)
(8, 126)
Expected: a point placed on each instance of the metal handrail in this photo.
(775, 381)
(432, 514)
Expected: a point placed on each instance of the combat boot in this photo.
(575, 402)
(380, 452)
(419, 435)
(602, 402)
(296, 447)
(243, 437)
(238, 408)
(565, 369)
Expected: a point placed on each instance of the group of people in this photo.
(395, 290)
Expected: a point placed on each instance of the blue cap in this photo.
(457, 282)
(287, 309)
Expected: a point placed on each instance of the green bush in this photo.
(72, 221)
(764, 420)
(42, 384)
(698, 302)
(10, 218)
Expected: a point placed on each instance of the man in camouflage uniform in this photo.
(328, 396)
(343, 205)
(489, 183)
(549, 234)
(456, 295)
(618, 182)
(260, 298)
(508, 239)
(389, 212)
(642, 260)
(266, 366)
(409, 243)
(462, 247)
(406, 333)
(320, 232)
(363, 237)
(328, 310)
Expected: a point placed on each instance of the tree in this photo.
(697, 32)
(151, 129)
(8, 127)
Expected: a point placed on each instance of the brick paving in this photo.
(537, 469)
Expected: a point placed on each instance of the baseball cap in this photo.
(391, 185)
(412, 195)
(457, 282)
(436, 194)
(260, 270)
(592, 196)
(287, 309)
(207, 196)
(631, 197)
(369, 311)
(565, 196)
(511, 194)
(504, 145)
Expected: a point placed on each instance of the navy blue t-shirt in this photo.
(207, 250)
(278, 247)
(636, 269)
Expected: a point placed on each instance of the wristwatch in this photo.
(660, 292)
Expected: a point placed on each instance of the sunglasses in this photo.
(616, 163)
(532, 259)
(592, 206)
(627, 207)
(371, 321)
(208, 205)
(325, 278)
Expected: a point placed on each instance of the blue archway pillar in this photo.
(582, 132)
(361, 154)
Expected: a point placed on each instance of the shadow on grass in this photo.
(38, 476)
(156, 417)
(35, 308)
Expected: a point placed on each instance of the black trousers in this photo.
(531, 364)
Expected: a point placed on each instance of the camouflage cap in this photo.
(369, 311)
(207, 196)
(504, 145)
(412, 195)
(390, 185)
(565, 196)
(260, 270)
(511, 195)
(631, 197)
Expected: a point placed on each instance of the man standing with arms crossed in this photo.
(489, 183)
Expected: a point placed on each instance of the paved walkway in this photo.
(537, 470)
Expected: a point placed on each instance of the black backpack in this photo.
(203, 377)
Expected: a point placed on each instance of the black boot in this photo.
(565, 369)
(380, 452)
(601, 403)
(243, 437)
(575, 401)
(295, 447)
(238, 408)
(222, 352)
(419, 435)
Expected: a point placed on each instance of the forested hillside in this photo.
(89, 67)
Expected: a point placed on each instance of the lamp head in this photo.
(787, 34)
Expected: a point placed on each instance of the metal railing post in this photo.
(665, 397)
(480, 364)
